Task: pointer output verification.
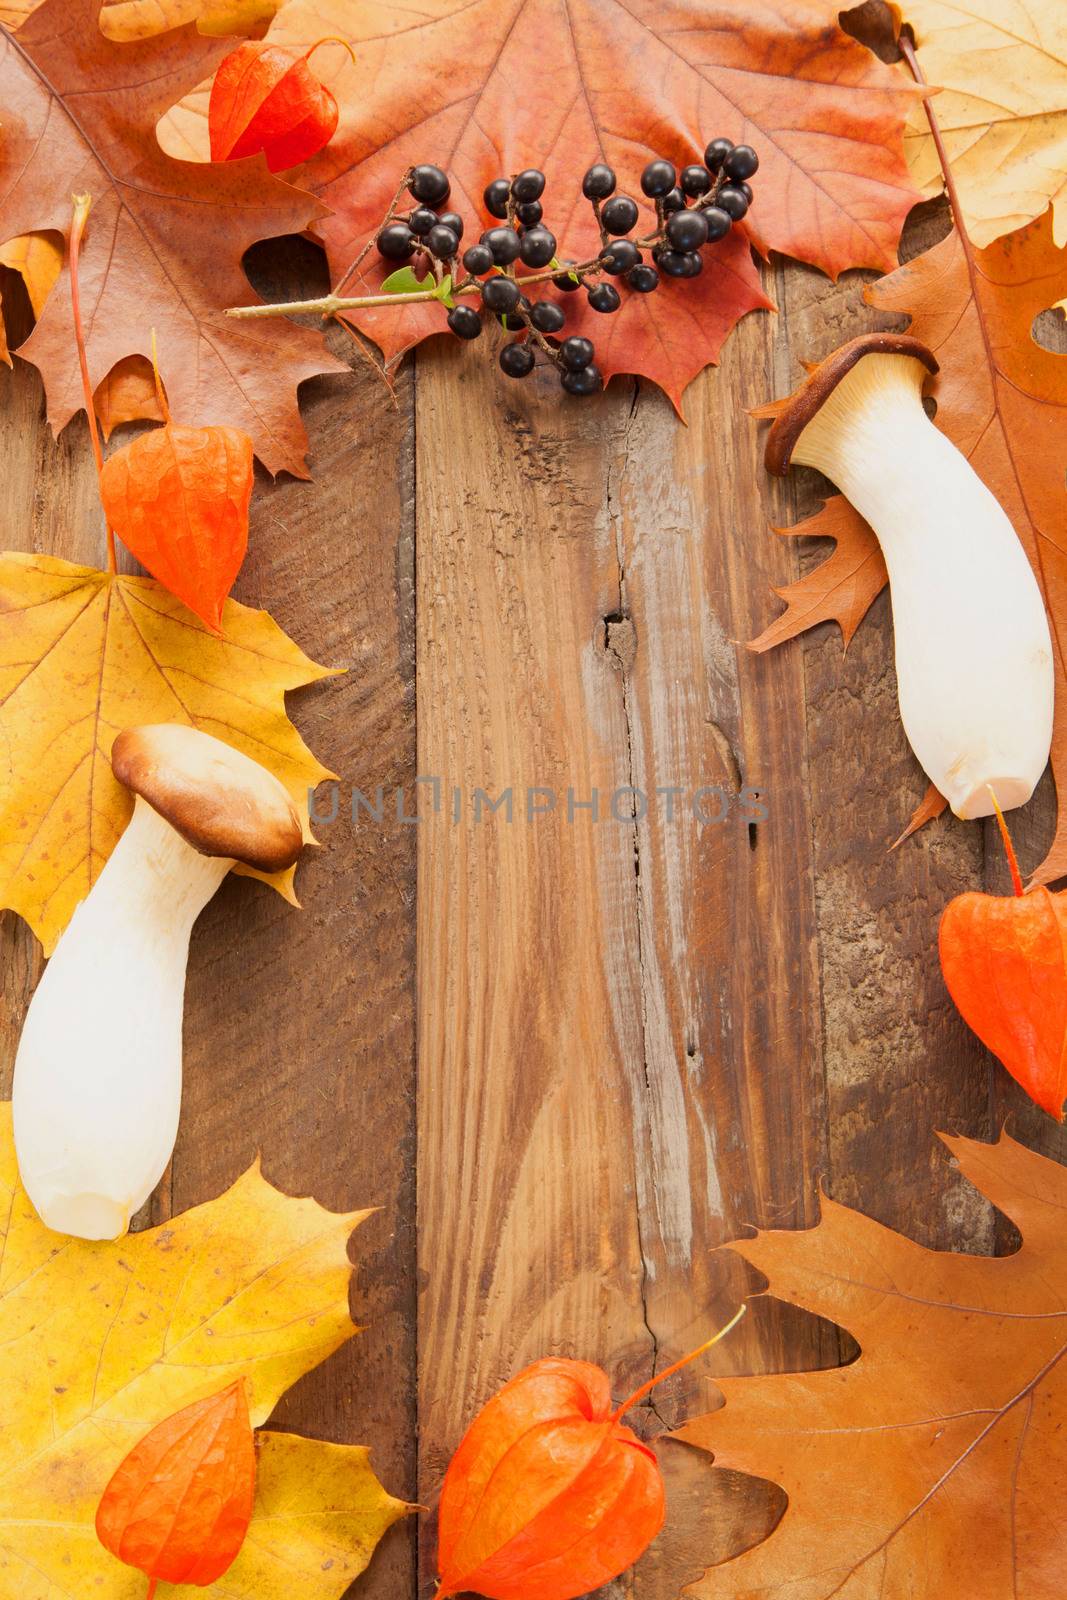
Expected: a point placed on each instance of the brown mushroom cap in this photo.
(820, 383)
(221, 802)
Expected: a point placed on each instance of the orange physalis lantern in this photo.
(1004, 958)
(265, 98)
(549, 1495)
(178, 499)
(179, 1506)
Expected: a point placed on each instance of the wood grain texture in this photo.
(299, 1027)
(620, 1059)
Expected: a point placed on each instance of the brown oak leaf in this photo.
(165, 239)
(933, 1466)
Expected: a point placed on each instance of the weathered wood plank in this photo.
(299, 1024)
(585, 1142)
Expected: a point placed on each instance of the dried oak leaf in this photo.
(1001, 105)
(84, 654)
(99, 1343)
(932, 1466)
(492, 86)
(1002, 399)
(165, 239)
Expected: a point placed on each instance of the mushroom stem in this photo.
(98, 1077)
(973, 650)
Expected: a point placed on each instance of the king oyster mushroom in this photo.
(98, 1075)
(973, 651)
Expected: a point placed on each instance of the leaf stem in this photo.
(646, 1388)
(82, 206)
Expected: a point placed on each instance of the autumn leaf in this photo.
(127, 394)
(38, 258)
(125, 20)
(931, 1466)
(101, 1342)
(84, 654)
(841, 589)
(506, 84)
(1001, 73)
(80, 113)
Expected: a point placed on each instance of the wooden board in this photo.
(568, 1055)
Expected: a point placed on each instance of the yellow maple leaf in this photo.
(1001, 74)
(125, 20)
(84, 654)
(100, 1342)
(38, 257)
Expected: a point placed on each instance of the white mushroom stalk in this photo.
(98, 1075)
(973, 650)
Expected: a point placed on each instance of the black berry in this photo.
(512, 321)
(465, 322)
(517, 360)
(716, 154)
(620, 256)
(741, 163)
(431, 186)
(643, 279)
(746, 190)
(504, 243)
(421, 220)
(732, 201)
(672, 264)
(598, 182)
(501, 294)
(478, 259)
(576, 353)
(537, 247)
(719, 222)
(453, 220)
(658, 179)
(604, 297)
(695, 180)
(586, 380)
(687, 230)
(496, 196)
(567, 282)
(530, 213)
(395, 242)
(547, 316)
(530, 185)
(672, 202)
(442, 242)
(619, 214)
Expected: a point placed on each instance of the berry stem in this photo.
(82, 206)
(368, 247)
(329, 305)
(646, 1388)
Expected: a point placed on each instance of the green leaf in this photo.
(404, 281)
(444, 290)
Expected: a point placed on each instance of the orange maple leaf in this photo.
(80, 112)
(487, 88)
(932, 1465)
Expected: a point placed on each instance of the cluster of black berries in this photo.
(694, 208)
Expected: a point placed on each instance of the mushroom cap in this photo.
(804, 402)
(220, 801)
